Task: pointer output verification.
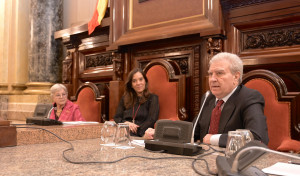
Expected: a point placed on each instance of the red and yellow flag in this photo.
(98, 15)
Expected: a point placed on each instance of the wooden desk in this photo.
(47, 159)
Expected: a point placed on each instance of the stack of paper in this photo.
(283, 169)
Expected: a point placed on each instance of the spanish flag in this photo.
(98, 15)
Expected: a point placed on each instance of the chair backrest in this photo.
(279, 107)
(166, 81)
(90, 102)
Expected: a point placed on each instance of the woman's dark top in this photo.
(146, 115)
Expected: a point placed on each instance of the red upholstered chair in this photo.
(280, 109)
(90, 102)
(166, 81)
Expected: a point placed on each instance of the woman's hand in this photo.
(132, 127)
(149, 133)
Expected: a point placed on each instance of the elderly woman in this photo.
(63, 109)
(138, 107)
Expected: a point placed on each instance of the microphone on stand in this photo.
(42, 119)
(235, 164)
(175, 137)
(197, 119)
(48, 116)
(238, 163)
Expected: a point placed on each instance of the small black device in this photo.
(173, 137)
(40, 116)
(42, 121)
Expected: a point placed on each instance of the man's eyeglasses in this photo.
(60, 95)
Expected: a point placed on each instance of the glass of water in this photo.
(248, 136)
(235, 141)
(108, 133)
(122, 139)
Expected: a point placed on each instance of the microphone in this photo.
(42, 119)
(238, 163)
(195, 124)
(235, 164)
(48, 116)
(175, 137)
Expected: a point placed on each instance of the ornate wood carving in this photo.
(67, 69)
(117, 66)
(196, 81)
(272, 38)
(182, 61)
(214, 46)
(229, 4)
(102, 59)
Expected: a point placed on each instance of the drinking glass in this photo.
(122, 139)
(248, 136)
(108, 133)
(235, 141)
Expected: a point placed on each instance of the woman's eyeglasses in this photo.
(60, 95)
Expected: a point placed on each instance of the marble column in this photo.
(45, 54)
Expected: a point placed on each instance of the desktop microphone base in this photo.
(42, 121)
(173, 148)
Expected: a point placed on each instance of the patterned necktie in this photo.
(215, 118)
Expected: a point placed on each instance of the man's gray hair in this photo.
(57, 87)
(236, 64)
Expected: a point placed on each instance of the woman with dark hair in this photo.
(138, 107)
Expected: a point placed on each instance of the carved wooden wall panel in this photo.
(267, 35)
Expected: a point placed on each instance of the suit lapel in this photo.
(226, 115)
(228, 110)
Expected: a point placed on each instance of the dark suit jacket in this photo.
(243, 110)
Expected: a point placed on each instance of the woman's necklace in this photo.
(58, 112)
(134, 114)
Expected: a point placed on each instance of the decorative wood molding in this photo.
(67, 69)
(276, 37)
(214, 46)
(196, 81)
(181, 60)
(102, 59)
(135, 22)
(230, 4)
(163, 51)
(118, 66)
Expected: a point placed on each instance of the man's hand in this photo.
(132, 127)
(149, 133)
(206, 138)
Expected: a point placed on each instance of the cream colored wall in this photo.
(14, 43)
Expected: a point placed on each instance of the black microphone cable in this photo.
(126, 157)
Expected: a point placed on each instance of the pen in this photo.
(294, 162)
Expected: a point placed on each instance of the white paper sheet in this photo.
(138, 142)
(283, 169)
(79, 123)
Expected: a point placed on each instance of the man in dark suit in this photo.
(243, 108)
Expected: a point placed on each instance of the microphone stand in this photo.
(194, 128)
(48, 116)
(235, 163)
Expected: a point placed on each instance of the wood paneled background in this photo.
(264, 33)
